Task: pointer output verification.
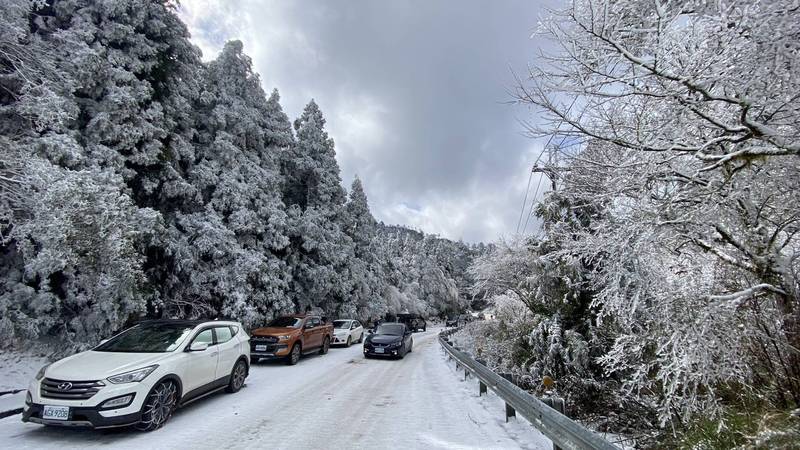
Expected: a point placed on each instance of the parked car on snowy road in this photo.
(347, 331)
(389, 339)
(413, 321)
(289, 337)
(140, 376)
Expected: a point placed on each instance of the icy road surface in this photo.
(339, 400)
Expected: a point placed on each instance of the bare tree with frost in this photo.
(687, 114)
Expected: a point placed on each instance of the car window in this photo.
(313, 322)
(223, 334)
(291, 322)
(340, 323)
(234, 330)
(206, 336)
(394, 329)
(147, 338)
(356, 324)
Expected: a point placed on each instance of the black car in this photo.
(389, 339)
(452, 321)
(413, 321)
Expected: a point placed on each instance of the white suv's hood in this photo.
(94, 365)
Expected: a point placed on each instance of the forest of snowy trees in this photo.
(138, 181)
(662, 292)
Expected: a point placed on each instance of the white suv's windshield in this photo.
(147, 338)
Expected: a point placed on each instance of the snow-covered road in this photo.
(339, 400)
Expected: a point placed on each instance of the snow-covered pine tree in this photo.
(368, 283)
(320, 252)
(107, 80)
(137, 181)
(238, 216)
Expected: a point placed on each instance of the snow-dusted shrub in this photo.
(80, 250)
(561, 354)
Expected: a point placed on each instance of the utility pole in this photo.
(550, 172)
(552, 168)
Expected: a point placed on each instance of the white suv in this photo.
(141, 375)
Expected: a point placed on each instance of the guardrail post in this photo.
(481, 388)
(558, 404)
(510, 412)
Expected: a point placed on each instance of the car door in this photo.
(228, 351)
(356, 330)
(350, 331)
(201, 365)
(312, 333)
(407, 338)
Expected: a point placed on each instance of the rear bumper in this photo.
(81, 417)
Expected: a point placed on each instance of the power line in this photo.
(527, 191)
(524, 201)
(533, 201)
(533, 169)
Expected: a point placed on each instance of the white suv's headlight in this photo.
(133, 376)
(40, 373)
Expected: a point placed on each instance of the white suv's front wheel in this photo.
(158, 406)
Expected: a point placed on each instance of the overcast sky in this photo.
(415, 94)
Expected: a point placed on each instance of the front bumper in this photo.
(89, 412)
(273, 351)
(88, 417)
(389, 352)
(339, 339)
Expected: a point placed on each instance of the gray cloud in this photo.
(414, 92)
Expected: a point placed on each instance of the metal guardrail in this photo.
(563, 431)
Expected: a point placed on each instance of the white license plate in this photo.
(261, 348)
(55, 412)
(378, 350)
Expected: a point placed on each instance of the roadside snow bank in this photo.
(17, 369)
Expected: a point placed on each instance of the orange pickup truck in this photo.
(289, 337)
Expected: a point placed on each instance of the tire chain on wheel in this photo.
(150, 423)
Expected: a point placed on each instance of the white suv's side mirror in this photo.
(198, 346)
